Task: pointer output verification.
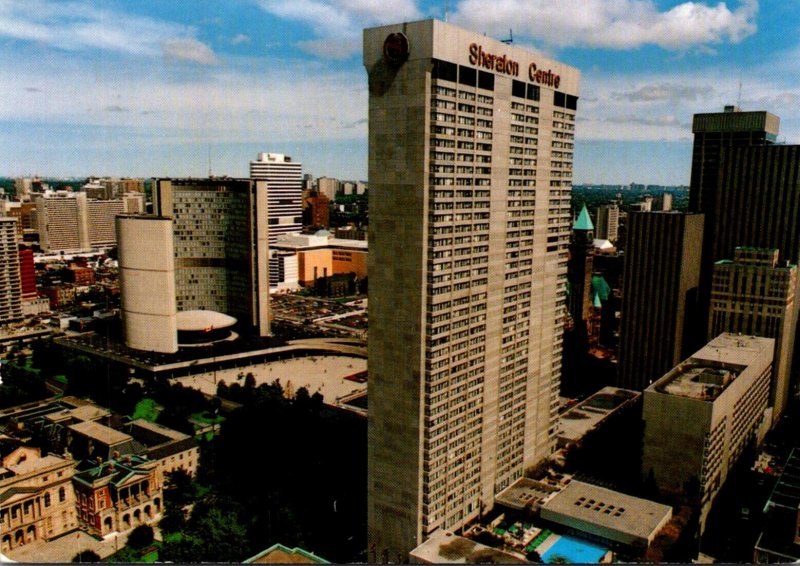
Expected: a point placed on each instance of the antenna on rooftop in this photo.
(209, 160)
(739, 97)
(510, 39)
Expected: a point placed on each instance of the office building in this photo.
(758, 201)
(607, 226)
(147, 283)
(27, 274)
(322, 255)
(754, 294)
(220, 242)
(63, 222)
(101, 221)
(284, 179)
(328, 187)
(470, 163)
(10, 282)
(70, 222)
(659, 295)
(717, 130)
(703, 413)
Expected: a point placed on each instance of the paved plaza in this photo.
(319, 373)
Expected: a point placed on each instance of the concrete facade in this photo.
(147, 283)
(753, 294)
(220, 239)
(659, 295)
(611, 515)
(37, 501)
(10, 278)
(470, 164)
(702, 414)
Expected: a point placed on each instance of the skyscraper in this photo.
(10, 285)
(758, 202)
(717, 130)
(220, 242)
(470, 165)
(714, 132)
(659, 298)
(753, 294)
(284, 179)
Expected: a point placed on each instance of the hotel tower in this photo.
(470, 170)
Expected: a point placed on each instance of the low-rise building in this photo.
(118, 495)
(37, 501)
(703, 413)
(608, 515)
(321, 255)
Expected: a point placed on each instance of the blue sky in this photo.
(152, 87)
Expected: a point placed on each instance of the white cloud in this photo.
(666, 91)
(335, 18)
(74, 26)
(617, 24)
(336, 49)
(219, 104)
(188, 49)
(240, 38)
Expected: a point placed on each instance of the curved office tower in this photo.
(147, 283)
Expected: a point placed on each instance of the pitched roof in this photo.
(584, 222)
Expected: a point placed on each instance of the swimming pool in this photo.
(574, 551)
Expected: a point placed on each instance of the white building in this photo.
(703, 413)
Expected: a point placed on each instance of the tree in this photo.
(86, 556)
(212, 534)
(179, 488)
(141, 537)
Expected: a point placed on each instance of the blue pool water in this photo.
(575, 551)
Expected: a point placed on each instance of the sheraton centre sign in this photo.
(504, 64)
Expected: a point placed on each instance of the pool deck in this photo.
(547, 544)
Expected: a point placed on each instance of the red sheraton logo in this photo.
(503, 64)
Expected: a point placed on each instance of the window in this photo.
(62, 495)
(444, 70)
(467, 76)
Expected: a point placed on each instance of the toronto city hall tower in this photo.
(470, 171)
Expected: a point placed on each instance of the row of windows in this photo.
(467, 76)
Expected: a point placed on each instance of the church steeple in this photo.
(584, 221)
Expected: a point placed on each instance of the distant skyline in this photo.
(146, 88)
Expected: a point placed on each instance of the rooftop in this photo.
(279, 554)
(100, 432)
(446, 548)
(707, 374)
(525, 493)
(203, 320)
(594, 505)
(586, 416)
